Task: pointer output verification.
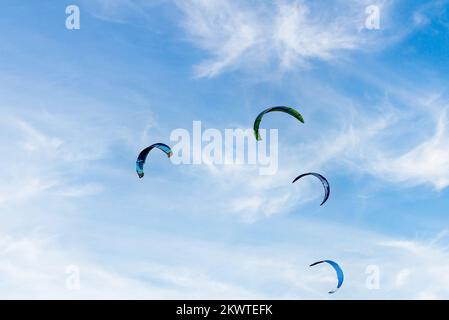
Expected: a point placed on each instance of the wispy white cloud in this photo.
(36, 267)
(224, 29)
(298, 37)
(39, 163)
(366, 145)
(426, 163)
(288, 34)
(424, 272)
(399, 138)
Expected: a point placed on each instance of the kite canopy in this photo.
(323, 180)
(287, 110)
(338, 270)
(143, 156)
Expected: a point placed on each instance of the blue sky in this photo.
(78, 105)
